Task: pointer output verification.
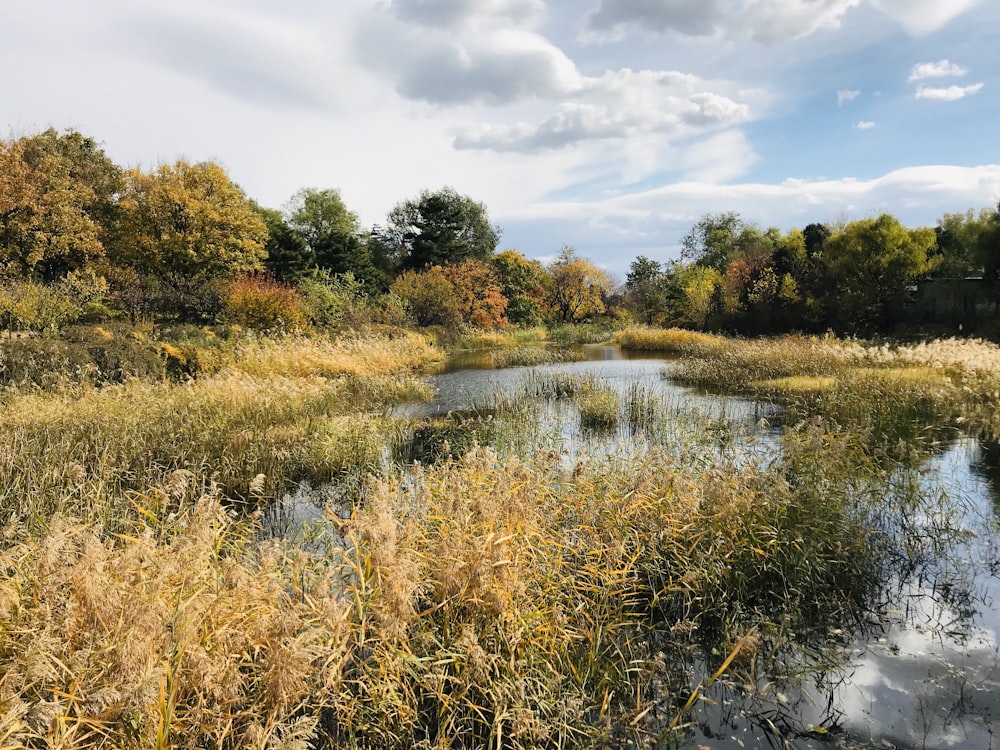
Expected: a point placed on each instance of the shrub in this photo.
(259, 302)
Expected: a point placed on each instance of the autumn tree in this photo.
(578, 287)
(465, 293)
(439, 228)
(56, 203)
(186, 225)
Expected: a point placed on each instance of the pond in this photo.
(924, 672)
(920, 670)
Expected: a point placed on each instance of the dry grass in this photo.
(312, 417)
(951, 381)
(486, 602)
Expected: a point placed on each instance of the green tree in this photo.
(439, 228)
(870, 265)
(959, 238)
(289, 256)
(987, 252)
(714, 240)
(522, 282)
(644, 289)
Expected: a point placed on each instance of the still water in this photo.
(925, 671)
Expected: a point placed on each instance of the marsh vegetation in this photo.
(673, 552)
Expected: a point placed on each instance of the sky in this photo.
(608, 125)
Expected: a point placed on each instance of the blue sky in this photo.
(610, 125)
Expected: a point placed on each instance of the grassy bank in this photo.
(881, 390)
(278, 411)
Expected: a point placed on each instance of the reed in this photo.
(484, 601)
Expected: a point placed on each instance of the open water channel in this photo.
(923, 671)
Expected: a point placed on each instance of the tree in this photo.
(56, 203)
(185, 225)
(522, 282)
(463, 293)
(578, 287)
(440, 228)
(959, 237)
(713, 240)
(289, 256)
(644, 288)
(870, 265)
(987, 252)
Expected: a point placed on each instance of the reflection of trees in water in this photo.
(988, 467)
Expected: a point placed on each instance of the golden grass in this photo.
(669, 340)
(309, 356)
(796, 384)
(484, 602)
(311, 415)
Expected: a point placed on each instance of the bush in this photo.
(335, 300)
(259, 302)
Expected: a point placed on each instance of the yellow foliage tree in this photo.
(189, 221)
(578, 287)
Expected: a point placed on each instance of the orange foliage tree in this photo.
(465, 293)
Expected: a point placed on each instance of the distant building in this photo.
(954, 300)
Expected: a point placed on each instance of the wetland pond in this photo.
(920, 670)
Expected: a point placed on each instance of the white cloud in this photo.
(865, 125)
(921, 17)
(774, 21)
(846, 95)
(618, 105)
(949, 94)
(940, 69)
(718, 159)
(767, 21)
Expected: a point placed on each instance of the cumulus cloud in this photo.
(767, 22)
(940, 69)
(865, 125)
(780, 20)
(456, 13)
(498, 68)
(618, 105)
(846, 95)
(690, 17)
(949, 94)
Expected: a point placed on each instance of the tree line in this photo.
(82, 238)
(851, 277)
